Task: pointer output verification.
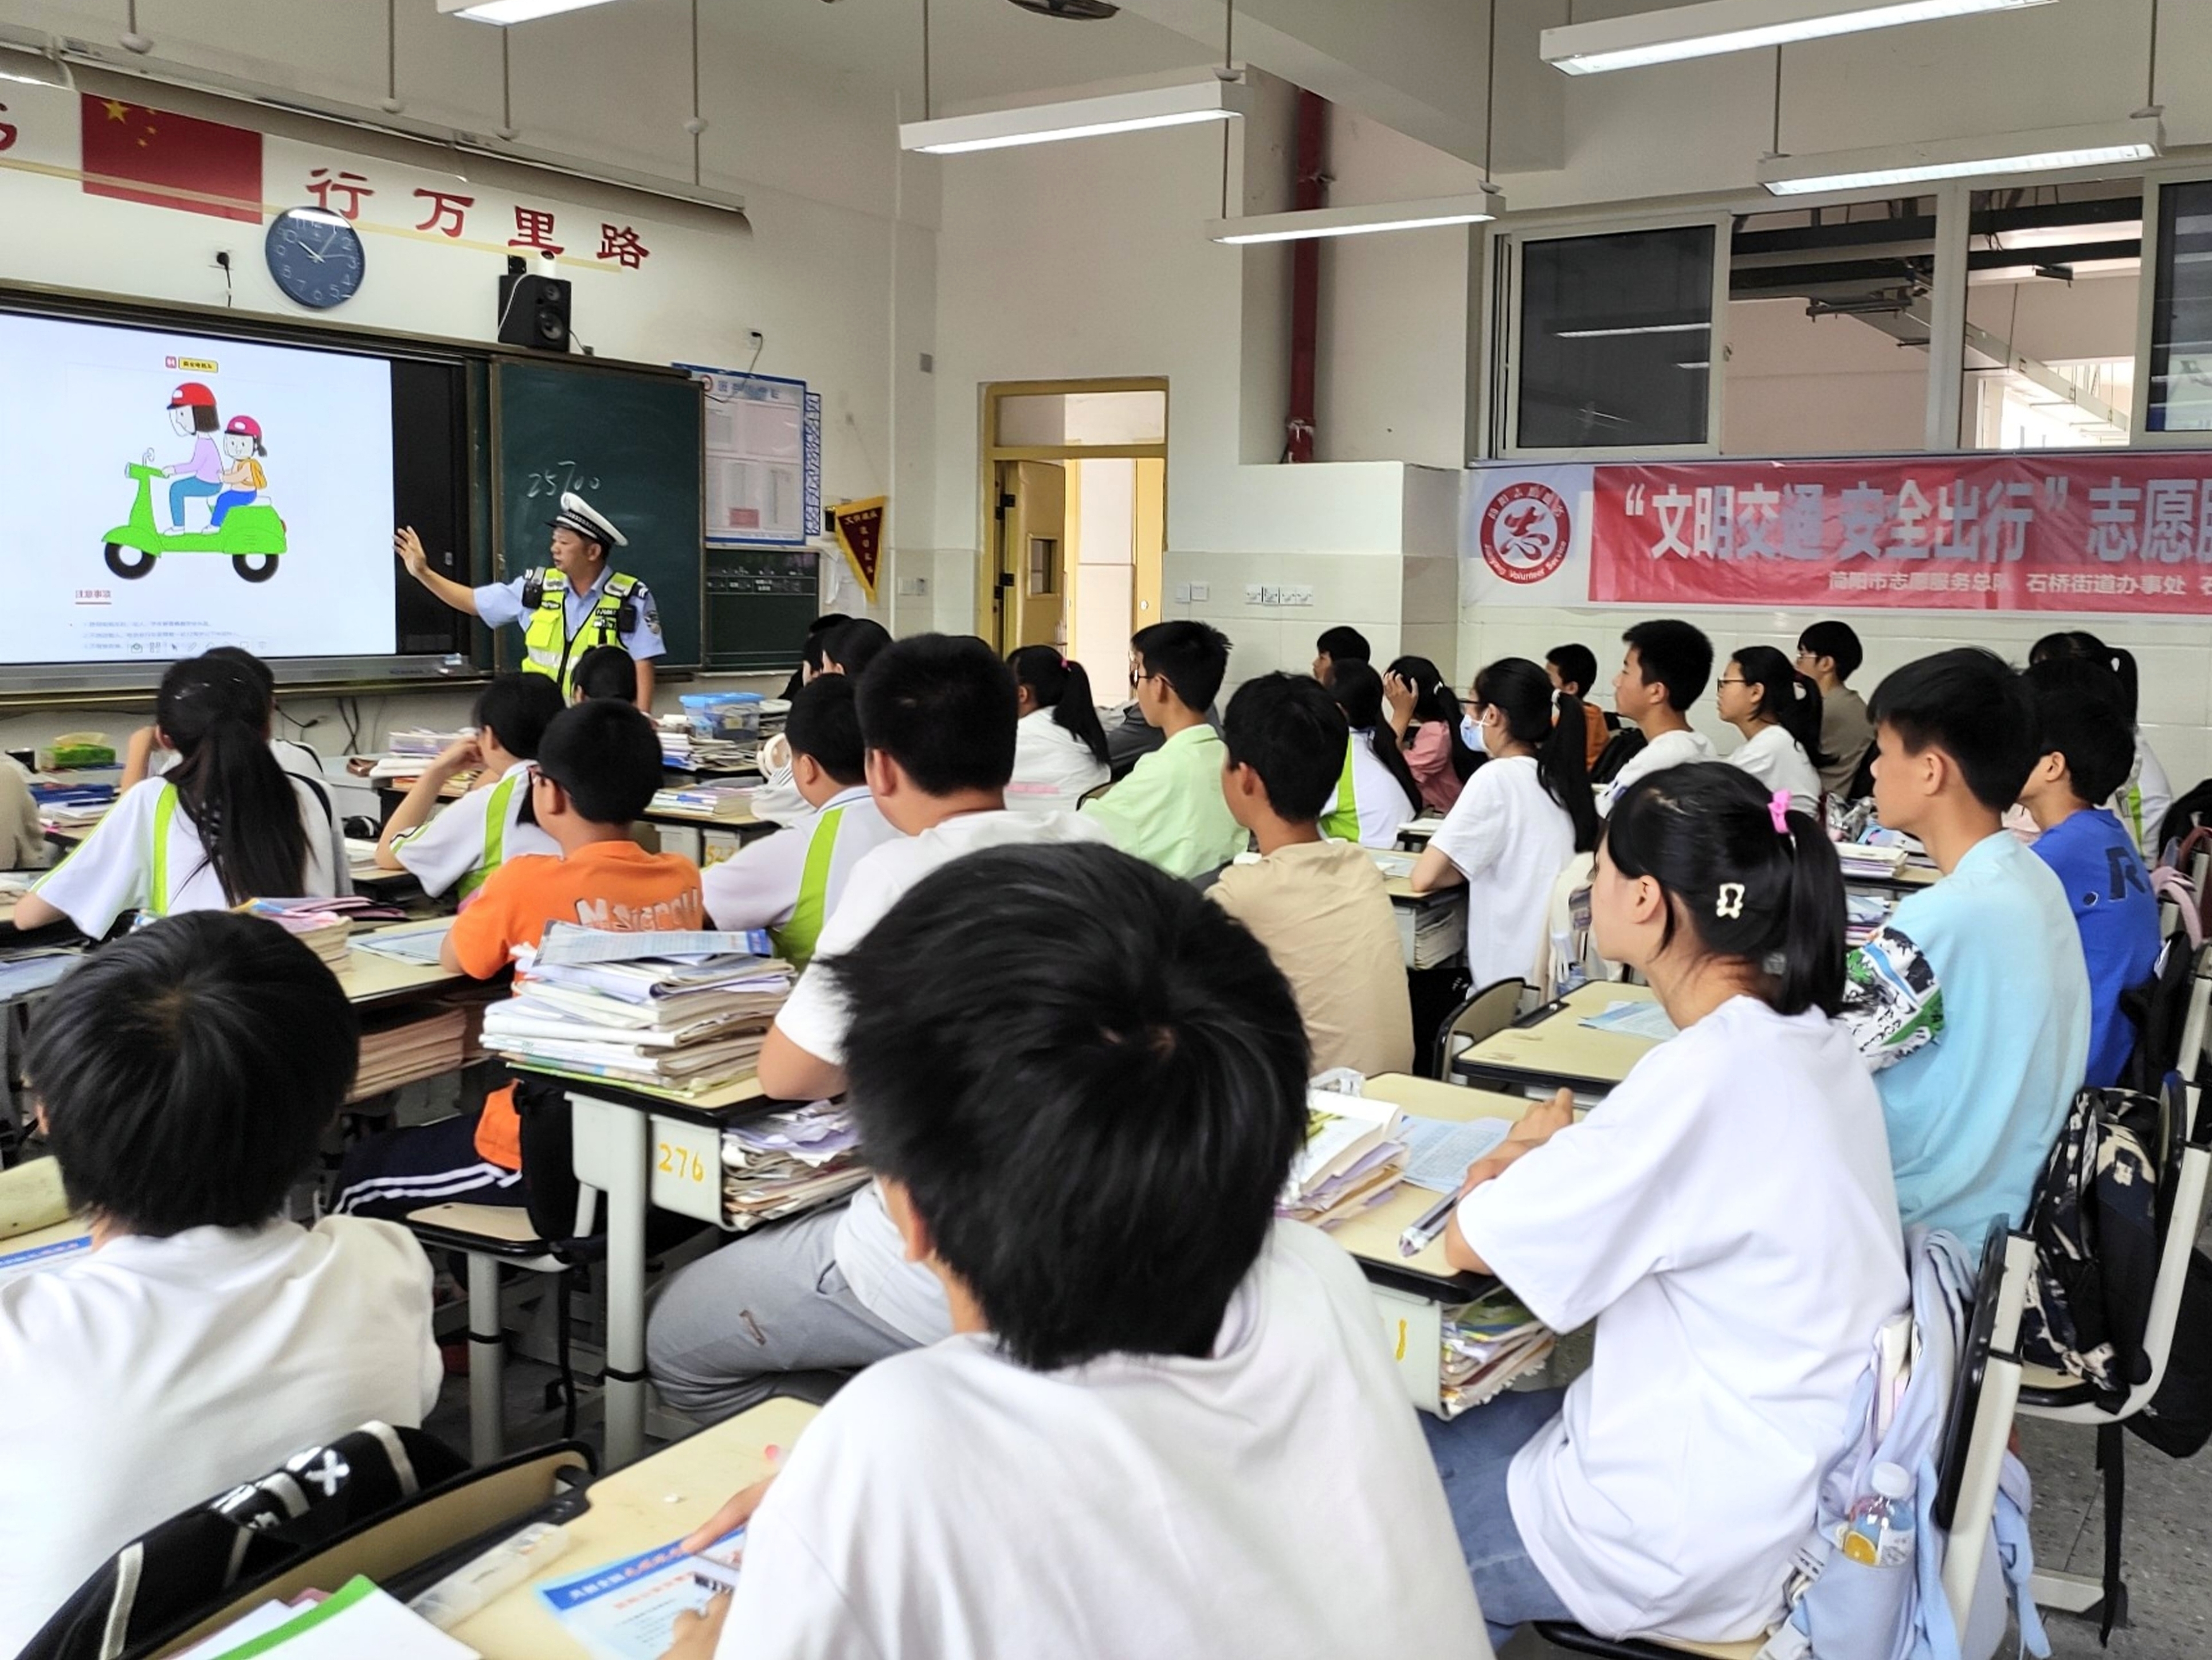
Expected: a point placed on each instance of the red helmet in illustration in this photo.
(191, 395)
(246, 424)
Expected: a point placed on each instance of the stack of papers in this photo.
(728, 801)
(672, 1010)
(312, 923)
(405, 1048)
(788, 1162)
(1355, 1153)
(1863, 860)
(359, 1622)
(24, 972)
(1633, 1020)
(421, 743)
(419, 945)
(1488, 1344)
(1862, 914)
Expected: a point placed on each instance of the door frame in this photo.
(990, 528)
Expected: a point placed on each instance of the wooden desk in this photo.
(370, 979)
(642, 1147)
(1371, 1237)
(1431, 926)
(1551, 1047)
(633, 1510)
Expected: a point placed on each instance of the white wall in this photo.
(1805, 386)
(838, 270)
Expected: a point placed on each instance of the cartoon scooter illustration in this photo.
(251, 535)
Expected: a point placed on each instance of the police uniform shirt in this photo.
(119, 869)
(456, 844)
(500, 603)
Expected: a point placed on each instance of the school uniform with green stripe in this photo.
(465, 840)
(1369, 804)
(146, 855)
(789, 883)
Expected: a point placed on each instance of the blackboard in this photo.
(629, 442)
(759, 603)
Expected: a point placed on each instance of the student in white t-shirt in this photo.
(225, 824)
(1060, 744)
(148, 756)
(469, 839)
(792, 883)
(1663, 673)
(1778, 710)
(1523, 816)
(834, 1289)
(186, 1075)
(1727, 1218)
(1179, 1412)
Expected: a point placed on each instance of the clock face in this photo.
(315, 257)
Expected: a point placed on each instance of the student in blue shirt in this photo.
(2087, 750)
(1972, 1005)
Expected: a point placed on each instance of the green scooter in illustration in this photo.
(251, 535)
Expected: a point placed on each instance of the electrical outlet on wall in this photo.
(1201, 592)
(1300, 595)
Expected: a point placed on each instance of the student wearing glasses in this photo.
(597, 766)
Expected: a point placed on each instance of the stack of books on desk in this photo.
(1864, 913)
(1355, 1153)
(1863, 859)
(1488, 1344)
(684, 1011)
(730, 801)
(788, 1162)
(407, 1046)
(410, 749)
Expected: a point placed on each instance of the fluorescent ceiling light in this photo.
(1636, 328)
(1210, 100)
(510, 11)
(1357, 221)
(2051, 150)
(33, 68)
(1705, 30)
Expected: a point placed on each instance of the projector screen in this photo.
(172, 492)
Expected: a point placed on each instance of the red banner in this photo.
(2129, 532)
(140, 155)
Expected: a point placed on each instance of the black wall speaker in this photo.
(533, 311)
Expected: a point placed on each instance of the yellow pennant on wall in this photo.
(860, 526)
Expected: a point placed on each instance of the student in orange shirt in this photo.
(597, 766)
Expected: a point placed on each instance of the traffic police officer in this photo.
(578, 602)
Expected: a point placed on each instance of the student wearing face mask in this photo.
(1518, 822)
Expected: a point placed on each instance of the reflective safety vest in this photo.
(550, 648)
(1340, 820)
(796, 939)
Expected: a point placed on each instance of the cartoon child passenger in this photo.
(193, 413)
(243, 478)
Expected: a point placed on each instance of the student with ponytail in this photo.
(223, 825)
(1519, 821)
(1425, 717)
(1778, 710)
(1376, 792)
(1726, 1216)
(2143, 801)
(1060, 746)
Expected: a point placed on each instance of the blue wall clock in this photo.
(315, 257)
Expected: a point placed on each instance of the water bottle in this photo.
(1880, 1530)
(1895, 1487)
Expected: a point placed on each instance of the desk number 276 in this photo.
(681, 1163)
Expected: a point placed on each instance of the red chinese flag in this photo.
(139, 155)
